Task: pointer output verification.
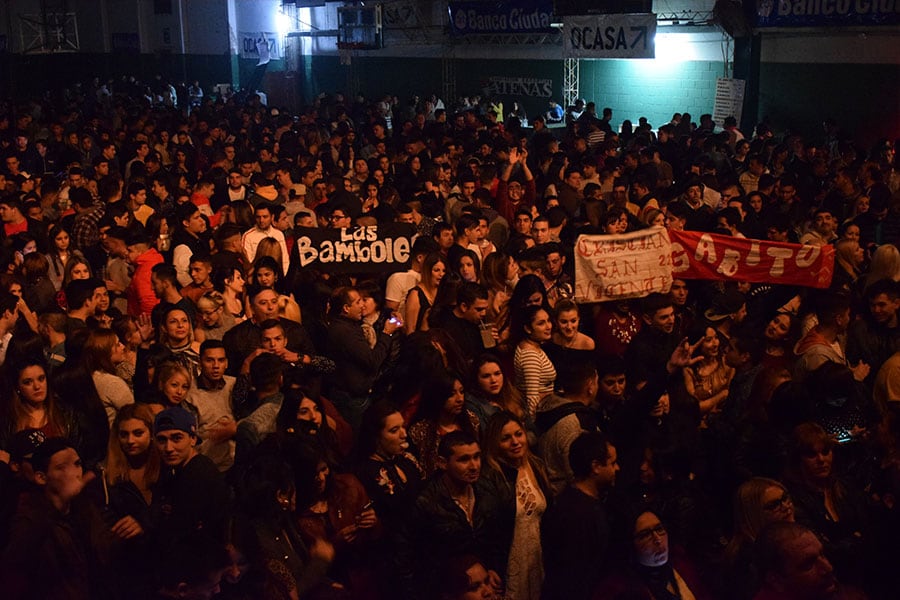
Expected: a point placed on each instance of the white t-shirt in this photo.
(398, 286)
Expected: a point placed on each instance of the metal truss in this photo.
(570, 81)
(687, 17)
(517, 39)
(49, 32)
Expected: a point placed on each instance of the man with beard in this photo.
(459, 511)
(793, 565)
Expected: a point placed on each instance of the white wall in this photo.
(206, 26)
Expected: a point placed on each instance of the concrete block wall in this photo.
(651, 89)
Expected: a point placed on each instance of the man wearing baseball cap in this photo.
(191, 495)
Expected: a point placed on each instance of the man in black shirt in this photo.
(244, 338)
(191, 495)
(463, 322)
(651, 347)
(575, 531)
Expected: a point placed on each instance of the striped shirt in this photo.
(535, 375)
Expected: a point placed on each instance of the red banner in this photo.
(698, 255)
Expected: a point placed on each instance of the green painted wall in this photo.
(650, 88)
(864, 99)
(375, 76)
(653, 89)
(473, 76)
(403, 77)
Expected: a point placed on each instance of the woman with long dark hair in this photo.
(388, 470)
(529, 291)
(266, 272)
(535, 373)
(420, 299)
(60, 252)
(568, 344)
(441, 410)
(307, 414)
(229, 282)
(335, 507)
(28, 403)
(507, 452)
(490, 391)
(37, 291)
(707, 381)
(279, 559)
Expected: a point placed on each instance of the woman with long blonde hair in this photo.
(758, 502)
(212, 319)
(848, 260)
(132, 458)
(269, 246)
(132, 470)
(885, 264)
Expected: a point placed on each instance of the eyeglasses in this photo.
(337, 217)
(773, 505)
(645, 535)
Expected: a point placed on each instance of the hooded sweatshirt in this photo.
(559, 421)
(814, 350)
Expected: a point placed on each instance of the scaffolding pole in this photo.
(570, 81)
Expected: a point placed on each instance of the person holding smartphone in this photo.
(357, 363)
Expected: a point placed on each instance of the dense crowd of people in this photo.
(188, 411)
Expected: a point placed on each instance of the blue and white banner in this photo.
(519, 16)
(609, 36)
(818, 13)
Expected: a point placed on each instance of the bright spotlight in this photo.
(673, 47)
(283, 23)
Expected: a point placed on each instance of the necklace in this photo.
(466, 503)
(623, 331)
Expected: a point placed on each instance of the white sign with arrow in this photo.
(609, 36)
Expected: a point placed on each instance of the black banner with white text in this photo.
(377, 249)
